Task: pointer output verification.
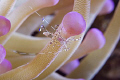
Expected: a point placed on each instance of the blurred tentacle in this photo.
(5, 66)
(59, 16)
(21, 13)
(5, 26)
(94, 40)
(61, 4)
(99, 57)
(6, 6)
(107, 8)
(69, 67)
(96, 7)
(31, 23)
(17, 59)
(2, 53)
(55, 76)
(20, 42)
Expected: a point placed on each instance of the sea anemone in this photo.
(65, 23)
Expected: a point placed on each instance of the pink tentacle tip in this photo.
(107, 8)
(101, 39)
(2, 53)
(95, 39)
(73, 24)
(5, 66)
(5, 26)
(69, 67)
